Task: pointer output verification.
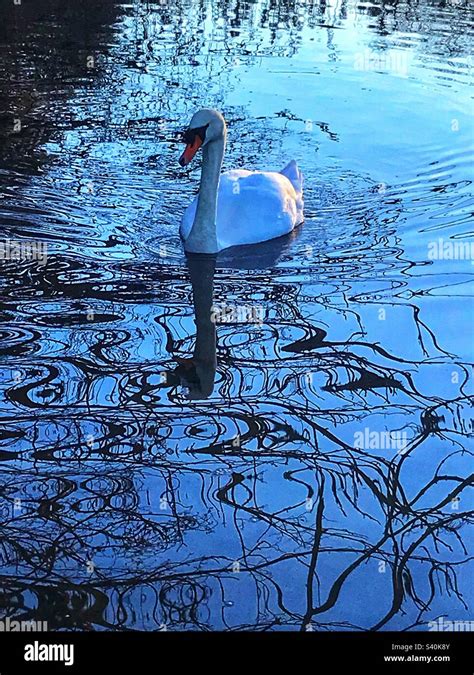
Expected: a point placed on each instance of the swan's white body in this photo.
(237, 207)
(253, 206)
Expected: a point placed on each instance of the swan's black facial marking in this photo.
(189, 135)
(193, 138)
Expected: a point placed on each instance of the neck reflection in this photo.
(197, 373)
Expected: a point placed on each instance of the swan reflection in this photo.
(197, 374)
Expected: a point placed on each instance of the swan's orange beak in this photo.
(190, 150)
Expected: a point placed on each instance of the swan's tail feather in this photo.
(294, 175)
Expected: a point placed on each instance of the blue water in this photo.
(315, 471)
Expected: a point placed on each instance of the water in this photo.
(314, 471)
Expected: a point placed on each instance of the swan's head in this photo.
(205, 127)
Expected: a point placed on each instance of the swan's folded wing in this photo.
(294, 175)
(254, 206)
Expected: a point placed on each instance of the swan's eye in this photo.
(189, 136)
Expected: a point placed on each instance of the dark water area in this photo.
(311, 467)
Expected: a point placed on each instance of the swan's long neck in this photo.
(203, 235)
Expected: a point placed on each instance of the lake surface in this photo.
(314, 470)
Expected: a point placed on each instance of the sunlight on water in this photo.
(311, 470)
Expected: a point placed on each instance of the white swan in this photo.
(239, 206)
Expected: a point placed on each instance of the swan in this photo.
(237, 207)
